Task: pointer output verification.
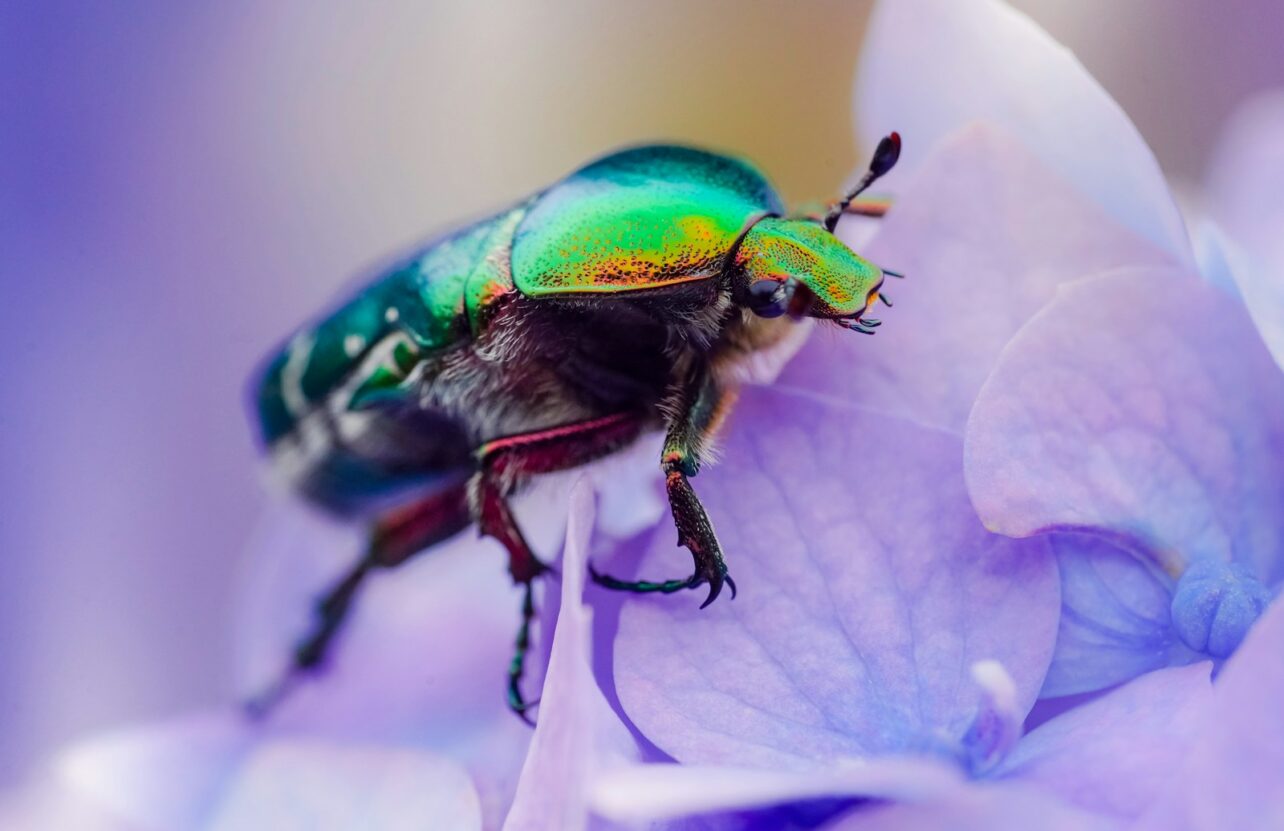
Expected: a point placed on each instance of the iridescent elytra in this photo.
(618, 301)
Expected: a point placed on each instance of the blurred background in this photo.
(183, 183)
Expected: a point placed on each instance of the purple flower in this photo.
(887, 640)
(1109, 399)
(1059, 469)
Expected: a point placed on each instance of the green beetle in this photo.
(544, 337)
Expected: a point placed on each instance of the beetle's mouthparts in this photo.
(878, 295)
(857, 322)
(865, 326)
(872, 298)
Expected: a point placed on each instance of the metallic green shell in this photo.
(641, 218)
(367, 347)
(638, 219)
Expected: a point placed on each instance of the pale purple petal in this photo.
(1230, 776)
(629, 486)
(400, 674)
(45, 803)
(932, 66)
(1143, 405)
(982, 808)
(213, 772)
(985, 234)
(867, 591)
(312, 785)
(577, 734)
(1114, 755)
(1246, 180)
(160, 777)
(664, 791)
(1116, 621)
(1220, 259)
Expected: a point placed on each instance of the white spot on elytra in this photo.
(353, 344)
(391, 315)
(296, 363)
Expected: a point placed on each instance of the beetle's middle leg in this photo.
(700, 404)
(504, 464)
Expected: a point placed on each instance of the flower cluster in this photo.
(1008, 565)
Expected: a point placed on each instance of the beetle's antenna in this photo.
(885, 156)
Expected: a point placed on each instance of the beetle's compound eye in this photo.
(769, 298)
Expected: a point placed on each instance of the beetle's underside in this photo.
(576, 384)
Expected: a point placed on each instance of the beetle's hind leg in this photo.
(494, 519)
(701, 405)
(503, 464)
(394, 538)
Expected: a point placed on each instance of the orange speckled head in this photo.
(778, 254)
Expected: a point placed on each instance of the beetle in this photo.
(617, 301)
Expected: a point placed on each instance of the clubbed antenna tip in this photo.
(885, 157)
(886, 154)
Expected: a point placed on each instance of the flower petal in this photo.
(213, 772)
(663, 791)
(1230, 776)
(1116, 621)
(982, 808)
(1114, 755)
(1219, 258)
(44, 804)
(162, 776)
(577, 733)
(1245, 181)
(1143, 405)
(985, 234)
(989, 62)
(312, 785)
(867, 591)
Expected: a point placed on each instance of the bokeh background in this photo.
(182, 183)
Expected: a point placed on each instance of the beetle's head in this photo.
(798, 267)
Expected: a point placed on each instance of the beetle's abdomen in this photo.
(339, 406)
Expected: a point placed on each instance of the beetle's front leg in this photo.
(700, 405)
